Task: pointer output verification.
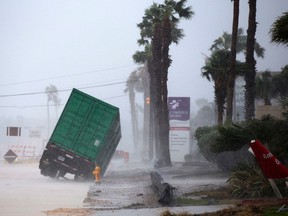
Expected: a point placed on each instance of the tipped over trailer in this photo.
(86, 134)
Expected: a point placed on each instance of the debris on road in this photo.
(165, 190)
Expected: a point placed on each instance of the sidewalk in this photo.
(158, 211)
(130, 188)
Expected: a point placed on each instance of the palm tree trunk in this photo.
(219, 100)
(152, 93)
(151, 131)
(164, 120)
(151, 109)
(156, 71)
(232, 70)
(146, 117)
(251, 63)
(133, 117)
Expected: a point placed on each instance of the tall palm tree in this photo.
(224, 43)
(251, 63)
(159, 27)
(279, 30)
(216, 69)
(145, 57)
(172, 12)
(232, 67)
(133, 83)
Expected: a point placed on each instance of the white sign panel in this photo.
(179, 135)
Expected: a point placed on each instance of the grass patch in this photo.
(223, 196)
(272, 211)
(182, 201)
(237, 211)
(190, 202)
(219, 196)
(219, 193)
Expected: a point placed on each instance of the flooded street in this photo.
(24, 191)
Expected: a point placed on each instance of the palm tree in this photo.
(52, 95)
(251, 63)
(279, 30)
(232, 67)
(133, 83)
(148, 35)
(280, 83)
(216, 69)
(264, 87)
(242, 46)
(159, 27)
(224, 43)
(280, 89)
(172, 12)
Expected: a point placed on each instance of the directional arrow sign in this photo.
(10, 156)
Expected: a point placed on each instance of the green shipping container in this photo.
(87, 133)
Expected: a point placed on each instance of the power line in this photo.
(63, 90)
(65, 76)
(53, 105)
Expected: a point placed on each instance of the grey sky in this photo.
(73, 43)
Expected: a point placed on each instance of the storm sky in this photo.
(89, 45)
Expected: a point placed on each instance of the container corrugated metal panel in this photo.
(88, 127)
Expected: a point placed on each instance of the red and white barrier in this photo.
(24, 150)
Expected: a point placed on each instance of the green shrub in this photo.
(227, 146)
(217, 144)
(270, 131)
(248, 181)
(206, 137)
(201, 131)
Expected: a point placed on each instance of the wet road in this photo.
(24, 191)
(123, 187)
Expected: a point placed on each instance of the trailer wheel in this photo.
(52, 173)
(48, 171)
(43, 172)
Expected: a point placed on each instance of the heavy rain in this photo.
(50, 49)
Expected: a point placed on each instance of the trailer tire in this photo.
(43, 172)
(48, 171)
(52, 173)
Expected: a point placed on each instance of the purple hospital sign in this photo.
(179, 108)
(179, 133)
